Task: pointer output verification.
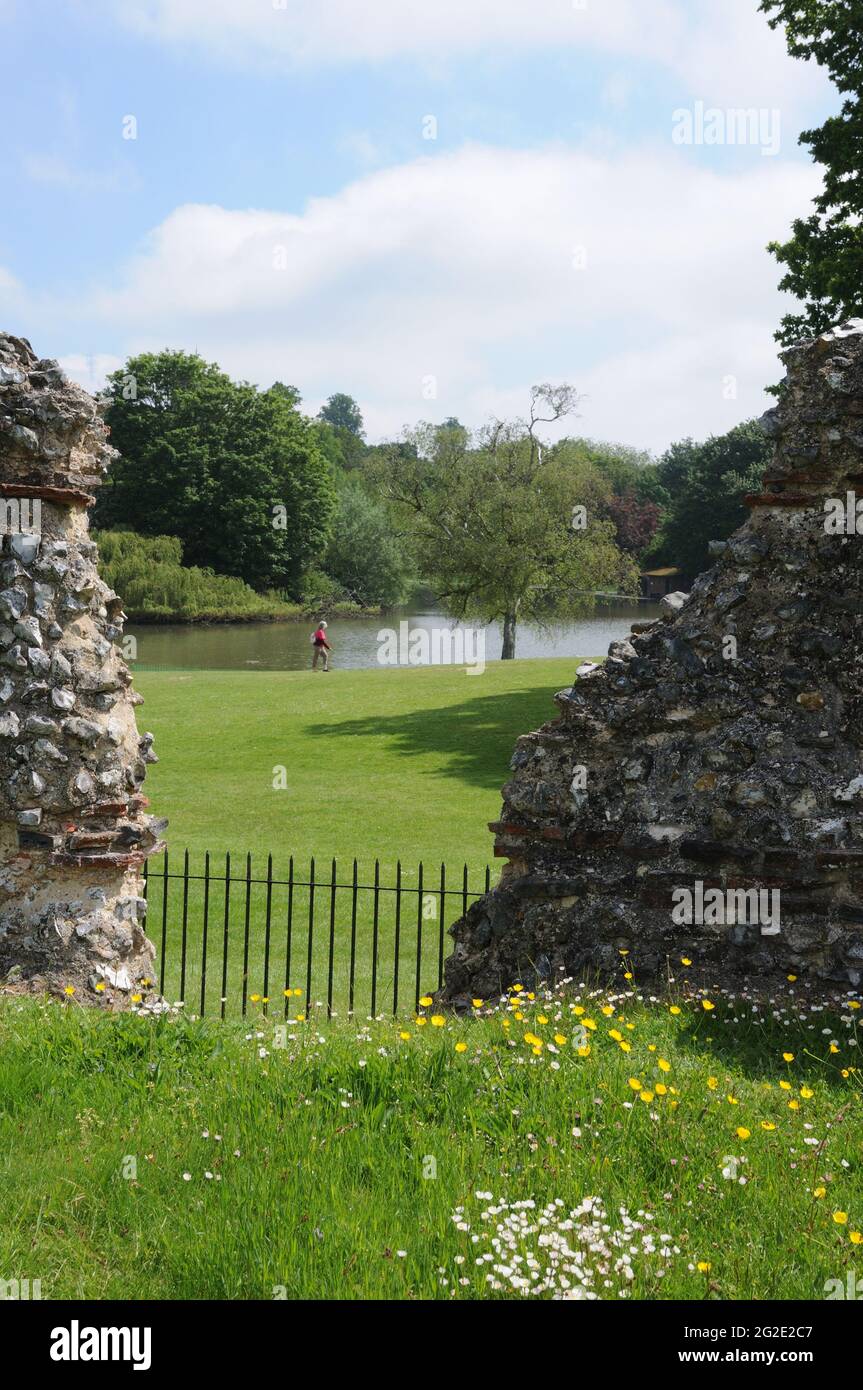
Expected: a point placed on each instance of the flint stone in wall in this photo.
(740, 771)
(71, 850)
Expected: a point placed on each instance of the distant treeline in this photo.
(228, 503)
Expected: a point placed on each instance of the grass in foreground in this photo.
(179, 1159)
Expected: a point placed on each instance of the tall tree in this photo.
(707, 483)
(343, 413)
(823, 259)
(365, 554)
(234, 472)
(495, 520)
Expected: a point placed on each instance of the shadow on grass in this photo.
(754, 1045)
(478, 735)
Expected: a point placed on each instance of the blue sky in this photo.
(281, 211)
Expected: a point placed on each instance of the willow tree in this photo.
(501, 528)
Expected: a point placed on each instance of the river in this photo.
(285, 646)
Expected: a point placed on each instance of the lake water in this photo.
(286, 647)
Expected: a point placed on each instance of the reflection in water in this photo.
(286, 646)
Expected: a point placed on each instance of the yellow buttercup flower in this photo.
(675, 1009)
(706, 1004)
(806, 1093)
(661, 1090)
(856, 1237)
(405, 1037)
(684, 960)
(820, 1192)
(788, 1056)
(438, 1021)
(767, 1124)
(426, 1001)
(712, 1082)
(461, 1047)
(663, 1065)
(841, 1218)
(703, 1266)
(794, 1105)
(646, 1096)
(69, 989)
(559, 1039)
(742, 1132)
(636, 1084)
(477, 1003)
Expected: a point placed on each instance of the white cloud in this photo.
(721, 50)
(460, 268)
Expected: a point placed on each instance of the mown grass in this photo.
(343, 1151)
(396, 765)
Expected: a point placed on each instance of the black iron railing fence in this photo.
(226, 940)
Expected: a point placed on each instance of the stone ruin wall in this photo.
(738, 774)
(73, 829)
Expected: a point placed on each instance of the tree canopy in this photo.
(365, 554)
(823, 258)
(493, 519)
(706, 484)
(234, 472)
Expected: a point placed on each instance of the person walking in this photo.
(321, 646)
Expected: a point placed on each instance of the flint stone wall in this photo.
(738, 774)
(73, 828)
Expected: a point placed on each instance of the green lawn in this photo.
(188, 1158)
(390, 765)
(175, 1159)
